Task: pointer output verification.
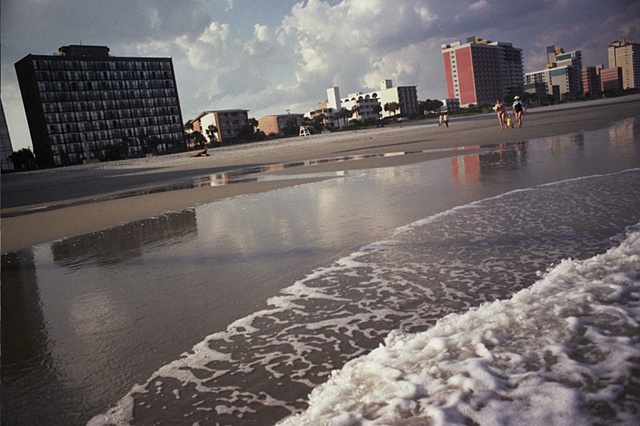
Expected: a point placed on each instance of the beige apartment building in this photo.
(625, 54)
(274, 124)
(221, 126)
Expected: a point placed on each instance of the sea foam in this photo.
(563, 351)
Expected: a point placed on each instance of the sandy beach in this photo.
(86, 197)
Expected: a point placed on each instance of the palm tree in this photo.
(344, 113)
(377, 109)
(212, 133)
(355, 110)
(23, 159)
(392, 107)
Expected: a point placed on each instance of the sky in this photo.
(274, 56)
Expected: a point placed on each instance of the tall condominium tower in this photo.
(625, 54)
(85, 105)
(479, 71)
(558, 58)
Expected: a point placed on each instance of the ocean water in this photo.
(565, 350)
(483, 314)
(492, 287)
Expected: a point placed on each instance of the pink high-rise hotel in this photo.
(480, 71)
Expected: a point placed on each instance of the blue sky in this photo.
(270, 56)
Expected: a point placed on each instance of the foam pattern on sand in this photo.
(564, 351)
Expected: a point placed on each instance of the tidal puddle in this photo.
(252, 174)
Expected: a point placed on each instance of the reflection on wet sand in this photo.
(27, 361)
(247, 174)
(469, 168)
(128, 241)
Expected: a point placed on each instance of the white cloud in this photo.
(479, 5)
(346, 44)
(263, 44)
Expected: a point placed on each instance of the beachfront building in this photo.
(480, 71)
(625, 54)
(558, 58)
(538, 91)
(274, 124)
(85, 105)
(6, 147)
(325, 110)
(562, 75)
(333, 98)
(221, 126)
(405, 96)
(364, 106)
(591, 85)
(611, 80)
(325, 113)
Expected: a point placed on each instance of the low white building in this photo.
(364, 106)
(405, 96)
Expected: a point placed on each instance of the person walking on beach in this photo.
(444, 119)
(501, 109)
(518, 110)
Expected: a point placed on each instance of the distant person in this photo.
(444, 119)
(518, 110)
(202, 153)
(501, 110)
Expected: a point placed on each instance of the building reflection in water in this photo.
(625, 131)
(507, 156)
(40, 313)
(127, 241)
(466, 168)
(470, 168)
(27, 361)
(247, 174)
(566, 142)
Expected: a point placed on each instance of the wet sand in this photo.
(84, 194)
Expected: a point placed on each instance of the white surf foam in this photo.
(564, 351)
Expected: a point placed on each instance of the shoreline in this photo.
(359, 149)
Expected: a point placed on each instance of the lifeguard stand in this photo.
(304, 131)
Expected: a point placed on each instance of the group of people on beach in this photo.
(518, 109)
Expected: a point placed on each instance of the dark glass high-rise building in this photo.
(85, 105)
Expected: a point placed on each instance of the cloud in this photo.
(346, 45)
(479, 5)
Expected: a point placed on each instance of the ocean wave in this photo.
(564, 351)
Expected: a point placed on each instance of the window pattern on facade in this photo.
(92, 106)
